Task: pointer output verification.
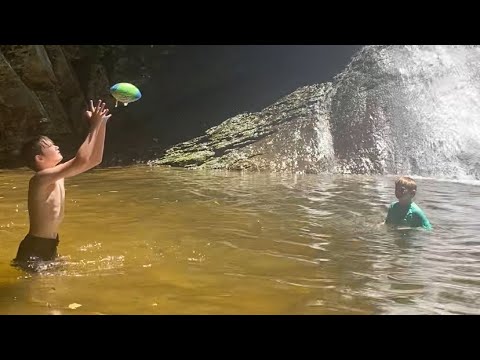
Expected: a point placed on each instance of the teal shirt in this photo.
(411, 216)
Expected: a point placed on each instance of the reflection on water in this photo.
(172, 241)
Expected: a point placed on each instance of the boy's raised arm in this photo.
(89, 154)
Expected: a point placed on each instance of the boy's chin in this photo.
(405, 201)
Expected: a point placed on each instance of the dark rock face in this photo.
(45, 90)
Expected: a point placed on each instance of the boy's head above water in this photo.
(41, 153)
(405, 190)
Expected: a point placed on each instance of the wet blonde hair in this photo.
(406, 183)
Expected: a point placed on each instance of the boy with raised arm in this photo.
(46, 192)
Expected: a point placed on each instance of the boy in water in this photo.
(405, 212)
(46, 193)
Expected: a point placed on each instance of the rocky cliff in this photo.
(45, 89)
(393, 110)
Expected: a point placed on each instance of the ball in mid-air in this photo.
(125, 93)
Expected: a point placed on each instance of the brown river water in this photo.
(141, 240)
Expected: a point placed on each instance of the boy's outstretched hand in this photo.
(98, 113)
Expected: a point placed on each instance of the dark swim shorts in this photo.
(33, 249)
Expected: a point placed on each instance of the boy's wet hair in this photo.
(406, 183)
(34, 147)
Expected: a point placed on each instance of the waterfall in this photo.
(412, 110)
(409, 109)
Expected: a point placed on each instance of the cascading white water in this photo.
(409, 109)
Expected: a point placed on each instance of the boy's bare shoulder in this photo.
(42, 174)
(36, 180)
